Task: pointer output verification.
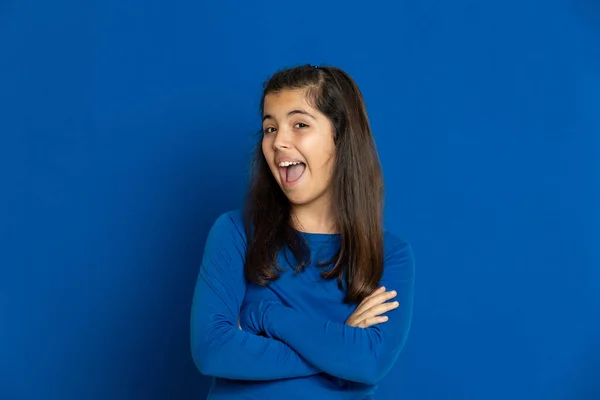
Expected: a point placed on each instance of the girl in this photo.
(288, 302)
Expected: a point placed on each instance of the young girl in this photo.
(302, 294)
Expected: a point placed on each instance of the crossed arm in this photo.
(354, 354)
(297, 345)
(219, 347)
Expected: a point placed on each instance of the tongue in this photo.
(294, 172)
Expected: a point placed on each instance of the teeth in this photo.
(288, 163)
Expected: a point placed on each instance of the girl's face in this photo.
(298, 146)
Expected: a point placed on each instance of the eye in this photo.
(300, 125)
(268, 130)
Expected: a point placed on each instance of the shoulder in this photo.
(398, 255)
(224, 249)
(228, 225)
(230, 219)
(394, 245)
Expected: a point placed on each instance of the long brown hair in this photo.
(357, 187)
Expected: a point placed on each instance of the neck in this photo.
(314, 218)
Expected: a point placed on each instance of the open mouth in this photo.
(291, 172)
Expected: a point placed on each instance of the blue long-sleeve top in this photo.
(309, 351)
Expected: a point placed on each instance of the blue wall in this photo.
(126, 127)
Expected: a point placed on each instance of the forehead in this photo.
(285, 101)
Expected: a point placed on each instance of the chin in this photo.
(297, 198)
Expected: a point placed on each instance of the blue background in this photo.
(126, 128)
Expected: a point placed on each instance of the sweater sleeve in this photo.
(219, 348)
(351, 353)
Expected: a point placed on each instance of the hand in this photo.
(369, 311)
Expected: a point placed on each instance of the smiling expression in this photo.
(298, 146)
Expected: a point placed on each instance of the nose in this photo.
(282, 140)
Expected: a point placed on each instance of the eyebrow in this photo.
(267, 116)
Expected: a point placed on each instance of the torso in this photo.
(309, 292)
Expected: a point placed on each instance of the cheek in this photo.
(328, 152)
(330, 161)
(267, 149)
(330, 165)
(322, 164)
(327, 156)
(269, 154)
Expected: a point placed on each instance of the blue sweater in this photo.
(309, 351)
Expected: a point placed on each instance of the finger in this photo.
(375, 311)
(377, 291)
(373, 321)
(376, 300)
(373, 299)
(378, 310)
(380, 289)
